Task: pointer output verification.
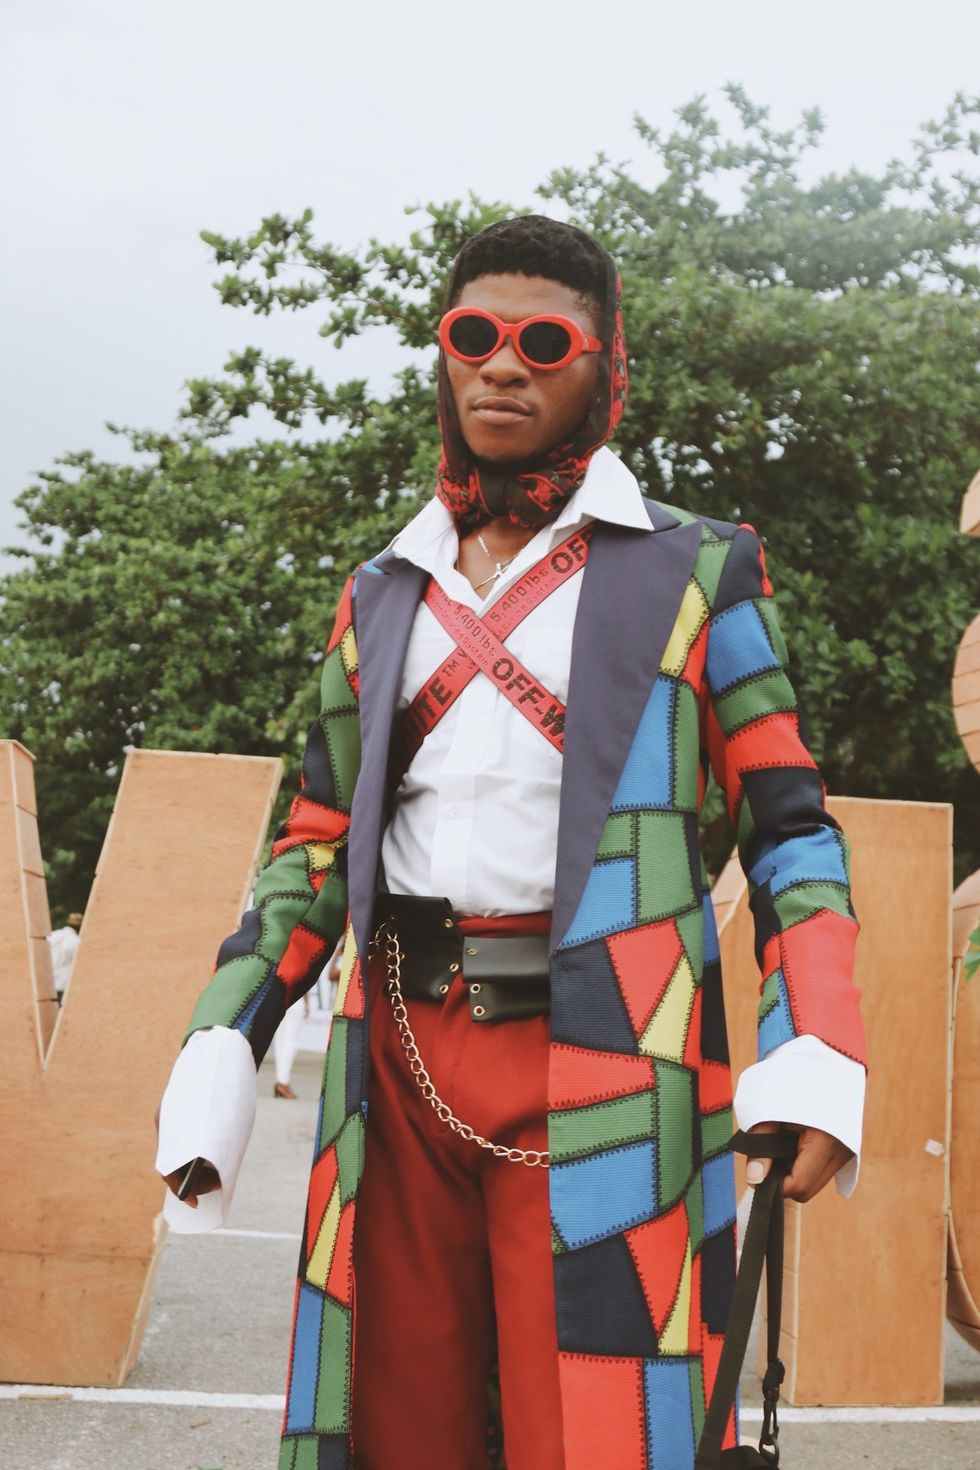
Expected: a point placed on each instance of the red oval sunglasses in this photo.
(547, 342)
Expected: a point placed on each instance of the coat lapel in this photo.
(388, 593)
(632, 589)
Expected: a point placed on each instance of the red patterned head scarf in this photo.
(534, 496)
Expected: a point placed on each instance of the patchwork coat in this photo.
(677, 664)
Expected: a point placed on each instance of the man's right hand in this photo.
(208, 1178)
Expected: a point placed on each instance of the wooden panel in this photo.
(970, 516)
(847, 1254)
(964, 1262)
(78, 1249)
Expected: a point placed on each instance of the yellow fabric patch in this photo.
(666, 1035)
(690, 620)
(321, 855)
(348, 652)
(319, 1264)
(674, 1338)
(346, 971)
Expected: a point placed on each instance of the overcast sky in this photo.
(129, 125)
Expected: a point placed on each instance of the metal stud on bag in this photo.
(532, 1158)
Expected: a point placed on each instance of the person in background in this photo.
(64, 946)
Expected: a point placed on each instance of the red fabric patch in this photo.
(322, 1180)
(340, 1280)
(303, 951)
(694, 1320)
(659, 1248)
(714, 1086)
(767, 743)
(345, 615)
(644, 960)
(577, 1077)
(817, 959)
(353, 1007)
(712, 1345)
(693, 670)
(692, 1046)
(311, 821)
(603, 1412)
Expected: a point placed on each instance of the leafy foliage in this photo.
(804, 359)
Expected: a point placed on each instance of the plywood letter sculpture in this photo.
(964, 1229)
(79, 1211)
(865, 1278)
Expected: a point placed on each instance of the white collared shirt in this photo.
(475, 819)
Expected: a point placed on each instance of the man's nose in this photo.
(505, 366)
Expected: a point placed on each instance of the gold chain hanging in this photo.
(532, 1158)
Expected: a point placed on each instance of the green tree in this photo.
(804, 359)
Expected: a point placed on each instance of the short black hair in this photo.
(533, 245)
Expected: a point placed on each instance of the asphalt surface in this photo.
(220, 1325)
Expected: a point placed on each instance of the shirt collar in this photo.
(610, 492)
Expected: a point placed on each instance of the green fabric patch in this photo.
(675, 1148)
(298, 1453)
(685, 762)
(694, 1207)
(696, 1373)
(335, 1082)
(604, 1125)
(745, 830)
(794, 905)
(343, 734)
(711, 560)
(229, 992)
(332, 1386)
(663, 875)
(350, 1156)
(769, 995)
(765, 694)
(716, 1131)
(336, 695)
(558, 1246)
(690, 926)
(618, 837)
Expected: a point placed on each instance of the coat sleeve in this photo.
(300, 901)
(792, 850)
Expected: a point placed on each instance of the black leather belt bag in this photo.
(506, 975)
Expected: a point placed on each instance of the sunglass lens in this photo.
(473, 336)
(545, 342)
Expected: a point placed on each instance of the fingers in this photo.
(819, 1157)
(208, 1180)
(758, 1169)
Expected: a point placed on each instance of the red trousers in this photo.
(452, 1255)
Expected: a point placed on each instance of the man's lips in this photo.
(493, 409)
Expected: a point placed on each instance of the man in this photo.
(520, 700)
(64, 944)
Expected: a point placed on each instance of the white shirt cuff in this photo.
(805, 1081)
(207, 1112)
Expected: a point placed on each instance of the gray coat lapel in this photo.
(631, 592)
(387, 595)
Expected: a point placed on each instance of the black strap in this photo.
(763, 1244)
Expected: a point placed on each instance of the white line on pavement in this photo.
(257, 1234)
(191, 1399)
(169, 1398)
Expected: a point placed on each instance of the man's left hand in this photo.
(818, 1157)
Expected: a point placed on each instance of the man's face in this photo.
(510, 413)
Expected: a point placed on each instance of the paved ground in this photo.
(220, 1327)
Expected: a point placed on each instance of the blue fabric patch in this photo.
(712, 952)
(669, 1415)
(777, 1024)
(306, 1361)
(251, 1010)
(647, 775)
(814, 858)
(605, 1194)
(608, 903)
(718, 1183)
(738, 647)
